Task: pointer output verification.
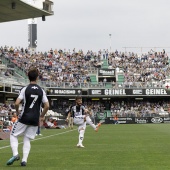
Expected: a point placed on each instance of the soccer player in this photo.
(81, 117)
(70, 122)
(32, 97)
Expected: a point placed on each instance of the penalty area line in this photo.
(44, 137)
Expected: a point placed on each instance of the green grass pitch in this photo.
(113, 147)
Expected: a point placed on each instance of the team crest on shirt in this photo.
(34, 87)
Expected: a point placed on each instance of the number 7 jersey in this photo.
(32, 96)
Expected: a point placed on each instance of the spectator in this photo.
(14, 118)
(50, 124)
(1, 126)
(116, 119)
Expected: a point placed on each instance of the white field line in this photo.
(40, 138)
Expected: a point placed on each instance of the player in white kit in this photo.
(81, 118)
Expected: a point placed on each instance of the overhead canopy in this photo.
(12, 10)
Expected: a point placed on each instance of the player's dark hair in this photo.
(78, 97)
(33, 74)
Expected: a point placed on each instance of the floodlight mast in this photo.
(32, 22)
(32, 31)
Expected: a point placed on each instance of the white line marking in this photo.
(40, 138)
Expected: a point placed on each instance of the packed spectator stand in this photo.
(74, 69)
(61, 68)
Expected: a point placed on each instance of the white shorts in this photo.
(19, 129)
(79, 121)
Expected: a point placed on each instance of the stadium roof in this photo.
(12, 10)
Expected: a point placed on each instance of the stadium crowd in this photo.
(55, 66)
(72, 67)
(7, 116)
(122, 108)
(141, 68)
(133, 108)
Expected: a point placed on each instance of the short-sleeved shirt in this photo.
(33, 96)
(77, 110)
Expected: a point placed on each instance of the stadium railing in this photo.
(9, 81)
(115, 85)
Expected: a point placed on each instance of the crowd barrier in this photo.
(135, 120)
